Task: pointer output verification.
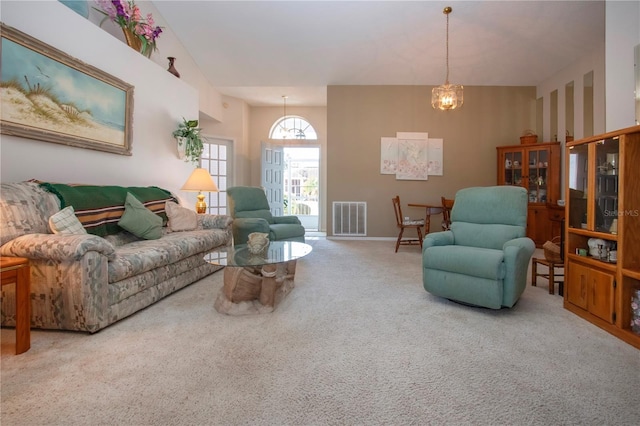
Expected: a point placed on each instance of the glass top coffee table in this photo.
(256, 283)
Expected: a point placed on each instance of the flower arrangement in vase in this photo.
(257, 242)
(190, 144)
(140, 33)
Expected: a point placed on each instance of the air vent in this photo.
(350, 218)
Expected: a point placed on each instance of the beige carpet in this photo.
(357, 342)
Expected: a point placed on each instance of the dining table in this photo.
(430, 209)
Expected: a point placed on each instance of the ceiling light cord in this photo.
(284, 98)
(447, 11)
(448, 96)
(285, 131)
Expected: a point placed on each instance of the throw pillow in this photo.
(180, 218)
(65, 222)
(139, 220)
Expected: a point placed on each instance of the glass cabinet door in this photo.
(578, 186)
(606, 198)
(513, 168)
(538, 161)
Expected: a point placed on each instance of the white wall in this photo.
(160, 101)
(169, 45)
(622, 35)
(614, 80)
(612, 64)
(210, 100)
(576, 72)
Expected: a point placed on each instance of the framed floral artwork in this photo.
(50, 96)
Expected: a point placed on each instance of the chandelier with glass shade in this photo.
(447, 96)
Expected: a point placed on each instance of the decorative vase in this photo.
(614, 226)
(258, 242)
(172, 69)
(635, 312)
(134, 42)
(182, 147)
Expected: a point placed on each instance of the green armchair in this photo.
(249, 208)
(483, 259)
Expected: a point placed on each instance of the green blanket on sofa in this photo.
(99, 208)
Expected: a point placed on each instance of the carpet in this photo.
(357, 342)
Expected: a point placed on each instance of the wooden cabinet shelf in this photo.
(603, 219)
(536, 168)
(592, 261)
(631, 273)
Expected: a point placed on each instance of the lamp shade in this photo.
(200, 180)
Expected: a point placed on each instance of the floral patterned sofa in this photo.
(86, 282)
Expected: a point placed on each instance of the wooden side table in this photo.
(16, 270)
(551, 275)
(556, 217)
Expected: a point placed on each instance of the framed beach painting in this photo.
(47, 95)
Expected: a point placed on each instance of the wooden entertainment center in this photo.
(602, 232)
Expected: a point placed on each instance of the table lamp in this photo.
(200, 180)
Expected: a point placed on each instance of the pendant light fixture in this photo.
(448, 96)
(285, 131)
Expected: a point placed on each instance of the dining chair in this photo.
(406, 223)
(447, 205)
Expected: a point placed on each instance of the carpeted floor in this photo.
(357, 342)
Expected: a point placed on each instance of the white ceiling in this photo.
(261, 50)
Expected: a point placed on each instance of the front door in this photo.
(272, 173)
(216, 158)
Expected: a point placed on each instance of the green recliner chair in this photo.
(484, 258)
(249, 208)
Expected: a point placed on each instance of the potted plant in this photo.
(140, 33)
(190, 144)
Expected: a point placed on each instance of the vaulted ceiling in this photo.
(261, 50)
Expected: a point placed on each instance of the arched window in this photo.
(292, 127)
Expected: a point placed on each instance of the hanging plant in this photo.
(189, 140)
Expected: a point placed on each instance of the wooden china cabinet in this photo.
(535, 167)
(602, 233)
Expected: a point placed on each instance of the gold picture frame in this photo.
(50, 96)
